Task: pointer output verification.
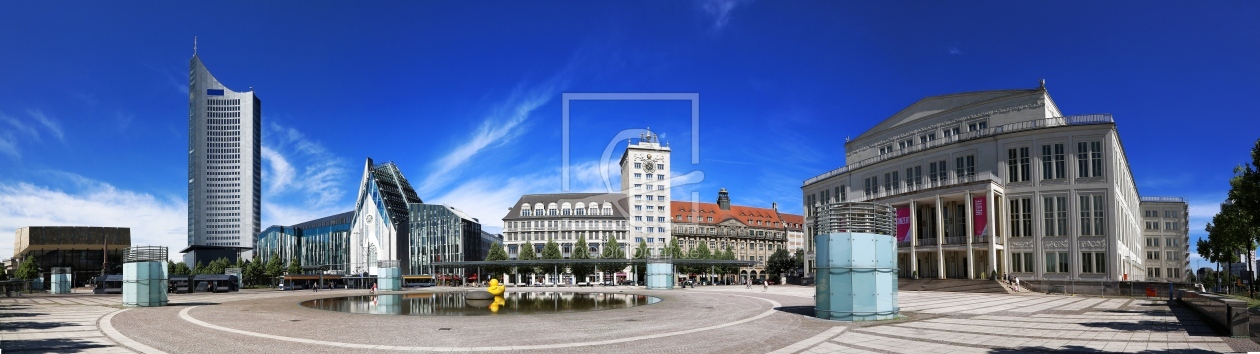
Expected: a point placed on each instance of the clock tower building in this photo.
(645, 180)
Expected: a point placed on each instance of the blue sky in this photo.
(466, 97)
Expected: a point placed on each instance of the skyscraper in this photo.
(224, 167)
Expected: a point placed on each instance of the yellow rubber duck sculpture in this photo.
(498, 301)
(495, 288)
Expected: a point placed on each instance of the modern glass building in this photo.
(224, 166)
(441, 233)
(320, 242)
(84, 249)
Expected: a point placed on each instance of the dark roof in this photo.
(956, 101)
(620, 202)
(343, 218)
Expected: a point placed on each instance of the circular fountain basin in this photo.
(456, 303)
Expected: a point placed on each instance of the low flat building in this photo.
(84, 249)
(320, 242)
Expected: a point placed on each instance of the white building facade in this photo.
(224, 163)
(992, 183)
(1166, 232)
(381, 224)
(600, 218)
(645, 180)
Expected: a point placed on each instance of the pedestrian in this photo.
(747, 284)
(1016, 283)
(765, 286)
(373, 288)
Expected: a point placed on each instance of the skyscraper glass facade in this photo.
(320, 242)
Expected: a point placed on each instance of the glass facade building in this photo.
(440, 233)
(324, 241)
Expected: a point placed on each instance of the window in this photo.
(896, 182)
(638, 165)
(638, 187)
(977, 126)
(1023, 262)
(1056, 262)
(841, 192)
(660, 167)
(1092, 223)
(1171, 255)
(1093, 262)
(638, 176)
(1017, 164)
(1152, 255)
(1055, 211)
(1052, 162)
(872, 185)
(638, 197)
(660, 177)
(914, 176)
(1021, 217)
(965, 166)
(1152, 242)
(1089, 159)
(928, 137)
(1087, 262)
(948, 132)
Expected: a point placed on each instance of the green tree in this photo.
(798, 262)
(27, 270)
(581, 251)
(181, 269)
(612, 250)
(254, 270)
(674, 251)
(199, 269)
(218, 266)
(729, 255)
(779, 262)
(295, 267)
(527, 254)
(496, 254)
(551, 251)
(274, 268)
(4, 273)
(641, 252)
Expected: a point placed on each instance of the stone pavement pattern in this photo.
(704, 320)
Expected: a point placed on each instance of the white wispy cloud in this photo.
(954, 51)
(15, 129)
(488, 198)
(51, 124)
(8, 146)
(153, 220)
(500, 125)
(720, 11)
(303, 180)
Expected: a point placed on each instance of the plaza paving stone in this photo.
(703, 320)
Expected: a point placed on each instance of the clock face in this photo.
(649, 166)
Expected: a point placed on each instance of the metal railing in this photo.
(1104, 118)
(927, 241)
(1163, 199)
(956, 240)
(144, 254)
(943, 182)
(854, 217)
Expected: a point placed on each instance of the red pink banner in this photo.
(903, 224)
(980, 220)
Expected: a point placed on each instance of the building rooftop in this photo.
(619, 202)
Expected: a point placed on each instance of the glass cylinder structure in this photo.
(857, 262)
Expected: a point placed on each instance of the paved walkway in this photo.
(707, 319)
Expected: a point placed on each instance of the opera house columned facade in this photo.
(995, 182)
